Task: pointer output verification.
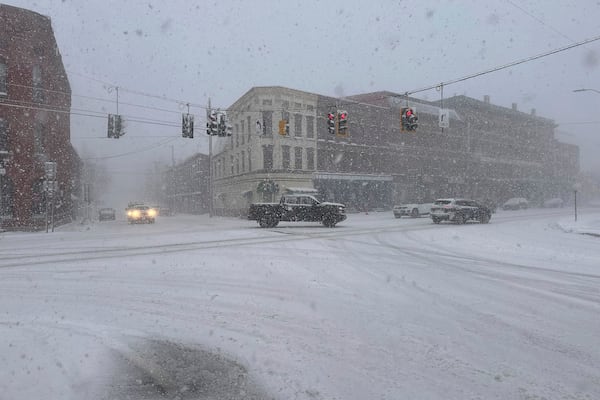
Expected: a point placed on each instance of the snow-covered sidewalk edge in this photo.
(588, 224)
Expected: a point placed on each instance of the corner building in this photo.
(488, 152)
(35, 101)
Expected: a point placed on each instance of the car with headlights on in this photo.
(140, 214)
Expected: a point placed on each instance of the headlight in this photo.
(129, 213)
(152, 212)
(135, 214)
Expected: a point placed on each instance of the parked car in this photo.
(516, 203)
(299, 207)
(413, 210)
(459, 211)
(489, 203)
(554, 203)
(106, 214)
(165, 211)
(141, 214)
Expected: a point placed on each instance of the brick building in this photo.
(35, 100)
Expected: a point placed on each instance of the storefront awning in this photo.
(352, 177)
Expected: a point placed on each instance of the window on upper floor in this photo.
(3, 135)
(298, 158)
(297, 124)
(285, 157)
(310, 159)
(38, 138)
(3, 79)
(267, 124)
(38, 92)
(310, 127)
(248, 120)
(267, 157)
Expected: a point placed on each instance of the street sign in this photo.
(444, 118)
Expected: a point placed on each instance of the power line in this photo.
(511, 64)
(162, 143)
(540, 20)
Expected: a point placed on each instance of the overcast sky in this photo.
(190, 51)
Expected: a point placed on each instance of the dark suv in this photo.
(459, 211)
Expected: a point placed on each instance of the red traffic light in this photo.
(343, 116)
(330, 116)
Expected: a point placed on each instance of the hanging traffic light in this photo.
(223, 128)
(212, 124)
(408, 119)
(187, 126)
(284, 127)
(342, 117)
(331, 123)
(115, 126)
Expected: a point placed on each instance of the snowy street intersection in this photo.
(377, 308)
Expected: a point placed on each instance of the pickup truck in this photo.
(297, 207)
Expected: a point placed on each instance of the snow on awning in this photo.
(353, 177)
(300, 190)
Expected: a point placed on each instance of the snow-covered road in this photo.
(377, 308)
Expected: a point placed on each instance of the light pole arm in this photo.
(587, 90)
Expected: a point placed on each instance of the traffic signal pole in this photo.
(210, 179)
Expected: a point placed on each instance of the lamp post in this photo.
(576, 187)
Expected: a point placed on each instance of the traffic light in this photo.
(331, 123)
(342, 117)
(187, 126)
(212, 124)
(115, 126)
(408, 119)
(223, 126)
(284, 127)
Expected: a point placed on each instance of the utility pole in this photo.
(210, 179)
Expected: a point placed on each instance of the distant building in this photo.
(35, 101)
(186, 186)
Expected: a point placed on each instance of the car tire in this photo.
(435, 220)
(329, 222)
(484, 218)
(397, 216)
(414, 213)
(459, 219)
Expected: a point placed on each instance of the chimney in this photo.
(514, 106)
(486, 99)
(533, 112)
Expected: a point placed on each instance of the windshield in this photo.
(159, 237)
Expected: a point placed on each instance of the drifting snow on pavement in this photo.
(376, 308)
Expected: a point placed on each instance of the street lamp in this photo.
(587, 90)
(576, 187)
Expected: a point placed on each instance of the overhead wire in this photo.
(508, 65)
